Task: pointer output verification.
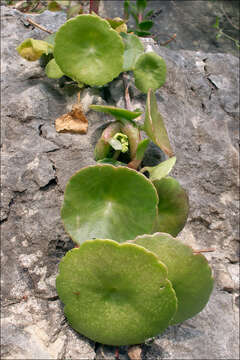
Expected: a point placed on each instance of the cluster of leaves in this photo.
(222, 33)
(125, 290)
(124, 124)
(94, 51)
(129, 278)
(143, 22)
(30, 6)
(71, 10)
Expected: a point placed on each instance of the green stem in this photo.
(228, 36)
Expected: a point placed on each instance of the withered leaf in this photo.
(73, 122)
(135, 352)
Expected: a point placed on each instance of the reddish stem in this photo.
(93, 7)
(140, 17)
(117, 353)
(168, 41)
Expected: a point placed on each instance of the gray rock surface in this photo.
(199, 103)
(192, 21)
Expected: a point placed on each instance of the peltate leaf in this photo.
(154, 125)
(108, 202)
(189, 273)
(150, 72)
(115, 294)
(88, 50)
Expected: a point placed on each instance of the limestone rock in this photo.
(199, 103)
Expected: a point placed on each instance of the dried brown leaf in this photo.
(74, 122)
(134, 353)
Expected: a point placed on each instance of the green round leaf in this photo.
(118, 113)
(133, 49)
(104, 201)
(189, 274)
(115, 294)
(88, 50)
(173, 206)
(52, 70)
(150, 72)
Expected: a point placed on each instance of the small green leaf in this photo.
(32, 50)
(54, 6)
(74, 11)
(189, 273)
(141, 5)
(118, 113)
(146, 25)
(123, 139)
(142, 146)
(126, 9)
(53, 71)
(148, 14)
(173, 206)
(216, 25)
(154, 125)
(133, 49)
(161, 170)
(115, 294)
(115, 22)
(150, 72)
(218, 35)
(115, 144)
